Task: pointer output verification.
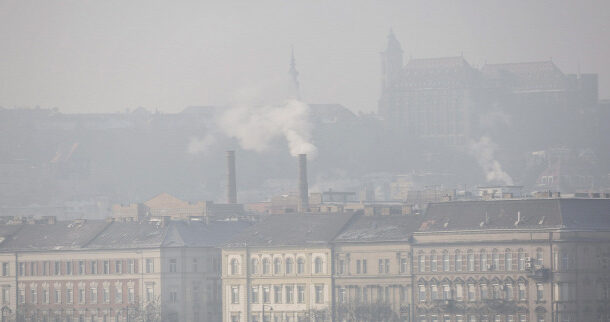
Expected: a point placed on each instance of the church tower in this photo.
(294, 77)
(391, 68)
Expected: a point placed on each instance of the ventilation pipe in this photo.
(303, 203)
(231, 182)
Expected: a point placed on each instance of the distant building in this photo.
(111, 271)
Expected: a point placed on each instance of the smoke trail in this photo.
(197, 145)
(256, 127)
(483, 150)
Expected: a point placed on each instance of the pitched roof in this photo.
(380, 229)
(292, 230)
(503, 214)
(63, 235)
(436, 63)
(528, 75)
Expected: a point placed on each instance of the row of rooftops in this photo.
(310, 229)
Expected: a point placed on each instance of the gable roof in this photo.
(541, 75)
(380, 229)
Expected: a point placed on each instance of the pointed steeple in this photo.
(391, 61)
(294, 75)
(393, 44)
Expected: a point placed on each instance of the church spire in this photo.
(294, 75)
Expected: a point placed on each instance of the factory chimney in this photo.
(231, 184)
(303, 205)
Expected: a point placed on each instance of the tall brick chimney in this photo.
(303, 205)
(231, 182)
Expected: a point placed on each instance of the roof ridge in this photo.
(348, 223)
(108, 224)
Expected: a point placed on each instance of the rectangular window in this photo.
(81, 267)
(33, 295)
(522, 293)
(471, 292)
(150, 266)
(131, 266)
(289, 289)
(69, 296)
(5, 270)
(254, 294)
(266, 294)
(387, 266)
(93, 267)
(6, 295)
(301, 294)
(21, 269)
(45, 296)
(195, 265)
(81, 296)
(433, 292)
(68, 268)
(319, 294)
(358, 270)
(21, 296)
(380, 269)
(106, 267)
(131, 295)
(364, 266)
(403, 265)
(106, 294)
(173, 296)
(172, 265)
(93, 295)
(539, 291)
(118, 266)
(150, 293)
(422, 293)
(33, 268)
(46, 268)
(459, 292)
(234, 294)
(421, 263)
(57, 268)
(277, 294)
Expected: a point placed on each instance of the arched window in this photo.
(234, 266)
(277, 266)
(433, 261)
(539, 256)
(458, 261)
(318, 265)
(266, 266)
(483, 262)
(495, 259)
(254, 266)
(470, 259)
(289, 265)
(300, 265)
(521, 259)
(508, 260)
(445, 261)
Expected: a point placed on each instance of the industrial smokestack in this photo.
(303, 205)
(231, 184)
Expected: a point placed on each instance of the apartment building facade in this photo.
(500, 260)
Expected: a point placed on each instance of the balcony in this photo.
(539, 274)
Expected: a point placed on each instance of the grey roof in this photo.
(380, 229)
(503, 214)
(97, 234)
(292, 229)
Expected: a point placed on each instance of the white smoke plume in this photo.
(256, 127)
(198, 145)
(484, 150)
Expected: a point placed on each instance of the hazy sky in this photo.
(106, 56)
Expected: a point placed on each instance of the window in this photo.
(118, 266)
(21, 269)
(131, 266)
(483, 263)
(459, 292)
(254, 294)
(234, 266)
(106, 295)
(470, 259)
(539, 257)
(45, 296)
(277, 294)
(458, 261)
(46, 268)
(106, 267)
(434, 292)
(445, 261)
(131, 295)
(508, 260)
(21, 296)
(173, 265)
(150, 293)
(118, 294)
(319, 294)
(68, 268)
(277, 266)
(33, 268)
(6, 295)
(93, 295)
(384, 266)
(495, 291)
(57, 296)
(33, 295)
(539, 291)
(564, 262)
(266, 297)
(471, 292)
(57, 268)
(266, 266)
(403, 265)
(150, 265)
(301, 294)
(421, 263)
(484, 291)
(69, 295)
(341, 298)
(81, 296)
(289, 294)
(318, 265)
(495, 260)
(364, 266)
(446, 292)
(173, 296)
(195, 265)
(387, 266)
(508, 292)
(421, 294)
(81, 267)
(433, 262)
(358, 267)
(300, 265)
(5, 269)
(522, 291)
(234, 294)
(521, 259)
(254, 266)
